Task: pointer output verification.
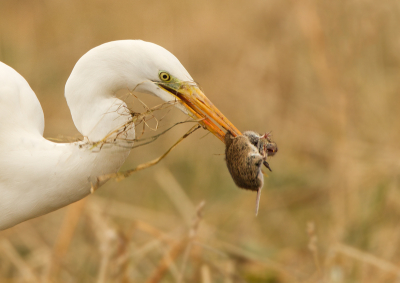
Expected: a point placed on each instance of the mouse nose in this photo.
(272, 149)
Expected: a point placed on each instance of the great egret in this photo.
(38, 176)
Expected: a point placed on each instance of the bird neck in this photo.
(95, 110)
(102, 118)
(49, 175)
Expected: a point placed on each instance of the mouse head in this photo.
(263, 143)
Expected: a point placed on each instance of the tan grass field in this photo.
(324, 76)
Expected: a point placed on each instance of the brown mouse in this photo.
(244, 157)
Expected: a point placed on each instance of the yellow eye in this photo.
(164, 76)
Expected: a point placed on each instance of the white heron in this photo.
(38, 176)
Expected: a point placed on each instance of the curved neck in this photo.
(90, 94)
(95, 110)
(51, 175)
(98, 119)
(105, 69)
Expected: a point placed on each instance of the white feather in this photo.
(38, 176)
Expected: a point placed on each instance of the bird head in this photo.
(142, 67)
(165, 77)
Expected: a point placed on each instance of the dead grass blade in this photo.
(65, 235)
(205, 274)
(176, 194)
(9, 251)
(122, 175)
(151, 139)
(107, 237)
(177, 249)
(132, 213)
(233, 250)
(167, 260)
(367, 258)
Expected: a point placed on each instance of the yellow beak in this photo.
(201, 108)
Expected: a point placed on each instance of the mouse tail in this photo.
(258, 199)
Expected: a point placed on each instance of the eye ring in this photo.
(164, 76)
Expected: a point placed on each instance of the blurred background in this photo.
(323, 76)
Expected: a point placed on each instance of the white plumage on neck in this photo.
(100, 73)
(38, 176)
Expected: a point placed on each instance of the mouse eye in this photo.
(164, 76)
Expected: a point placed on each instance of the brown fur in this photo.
(244, 157)
(244, 162)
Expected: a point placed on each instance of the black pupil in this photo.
(165, 77)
